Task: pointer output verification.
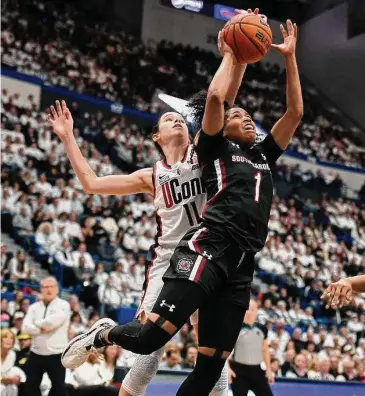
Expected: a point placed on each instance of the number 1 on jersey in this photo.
(257, 187)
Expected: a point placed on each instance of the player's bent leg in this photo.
(141, 373)
(178, 299)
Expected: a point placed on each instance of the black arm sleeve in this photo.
(210, 147)
(271, 149)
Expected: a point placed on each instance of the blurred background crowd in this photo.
(97, 246)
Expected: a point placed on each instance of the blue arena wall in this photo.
(167, 385)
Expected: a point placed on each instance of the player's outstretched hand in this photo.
(290, 39)
(249, 11)
(62, 122)
(223, 47)
(338, 294)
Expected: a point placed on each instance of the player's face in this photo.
(239, 127)
(171, 126)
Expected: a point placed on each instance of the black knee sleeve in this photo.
(139, 338)
(202, 379)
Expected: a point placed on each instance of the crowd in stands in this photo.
(101, 245)
(88, 56)
(98, 245)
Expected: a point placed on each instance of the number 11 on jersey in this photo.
(257, 186)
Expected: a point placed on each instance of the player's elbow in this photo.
(215, 96)
(89, 186)
(296, 113)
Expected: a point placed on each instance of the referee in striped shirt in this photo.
(245, 362)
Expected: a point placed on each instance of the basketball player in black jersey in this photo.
(212, 267)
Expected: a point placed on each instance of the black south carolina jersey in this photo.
(239, 188)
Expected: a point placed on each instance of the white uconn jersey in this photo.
(179, 198)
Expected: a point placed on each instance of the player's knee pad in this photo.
(221, 386)
(143, 370)
(140, 338)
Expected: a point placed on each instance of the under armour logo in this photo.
(208, 256)
(170, 307)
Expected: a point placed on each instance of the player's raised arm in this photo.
(137, 182)
(284, 129)
(213, 118)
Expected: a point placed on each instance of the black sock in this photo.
(100, 341)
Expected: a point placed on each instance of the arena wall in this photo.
(333, 63)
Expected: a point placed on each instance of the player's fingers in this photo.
(295, 30)
(290, 27)
(276, 46)
(64, 106)
(327, 295)
(54, 113)
(336, 297)
(59, 109)
(256, 12)
(283, 31)
(49, 118)
(249, 11)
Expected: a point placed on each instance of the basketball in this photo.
(249, 36)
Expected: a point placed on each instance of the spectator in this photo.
(47, 238)
(22, 223)
(17, 323)
(111, 354)
(22, 355)
(172, 361)
(47, 321)
(11, 376)
(64, 255)
(5, 259)
(81, 252)
(288, 364)
(348, 372)
(15, 304)
(76, 323)
(19, 267)
(109, 296)
(300, 368)
(42, 186)
(191, 355)
(324, 371)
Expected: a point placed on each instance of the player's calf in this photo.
(206, 373)
(137, 337)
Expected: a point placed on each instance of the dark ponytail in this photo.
(196, 106)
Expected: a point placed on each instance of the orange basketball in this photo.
(249, 37)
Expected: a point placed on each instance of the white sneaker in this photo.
(78, 349)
